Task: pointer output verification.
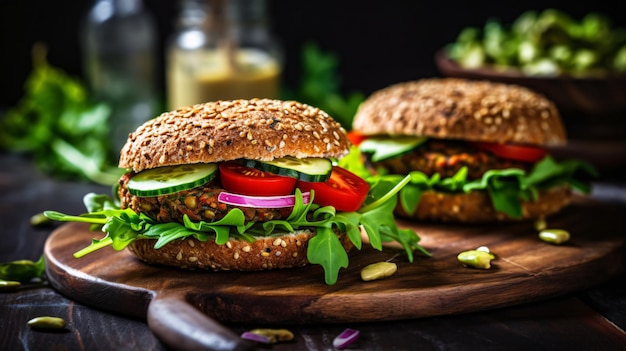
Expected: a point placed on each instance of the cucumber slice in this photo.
(311, 169)
(171, 179)
(384, 148)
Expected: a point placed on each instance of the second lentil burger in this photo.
(477, 150)
(243, 185)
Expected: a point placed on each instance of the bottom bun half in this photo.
(272, 252)
(476, 207)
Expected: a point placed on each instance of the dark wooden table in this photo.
(594, 319)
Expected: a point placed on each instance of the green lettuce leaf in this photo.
(507, 188)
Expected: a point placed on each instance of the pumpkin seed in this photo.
(39, 220)
(478, 258)
(378, 271)
(540, 224)
(274, 335)
(554, 236)
(9, 285)
(47, 323)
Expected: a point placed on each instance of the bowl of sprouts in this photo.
(580, 64)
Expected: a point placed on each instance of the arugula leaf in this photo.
(233, 219)
(125, 232)
(123, 227)
(326, 250)
(549, 173)
(507, 188)
(349, 222)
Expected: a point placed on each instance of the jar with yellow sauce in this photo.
(223, 50)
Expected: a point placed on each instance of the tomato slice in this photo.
(514, 152)
(344, 190)
(355, 137)
(244, 180)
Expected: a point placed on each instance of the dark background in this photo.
(378, 42)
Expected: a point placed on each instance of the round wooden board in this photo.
(526, 269)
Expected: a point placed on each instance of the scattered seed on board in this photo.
(9, 285)
(479, 258)
(540, 224)
(39, 220)
(274, 335)
(554, 236)
(378, 270)
(47, 323)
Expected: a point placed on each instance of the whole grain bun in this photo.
(260, 129)
(450, 108)
(277, 251)
(473, 110)
(475, 207)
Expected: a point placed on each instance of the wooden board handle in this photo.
(183, 327)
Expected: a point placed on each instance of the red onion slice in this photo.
(261, 201)
(346, 338)
(256, 337)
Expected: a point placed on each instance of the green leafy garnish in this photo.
(23, 271)
(122, 227)
(385, 147)
(56, 123)
(546, 43)
(507, 188)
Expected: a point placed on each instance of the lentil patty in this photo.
(199, 203)
(446, 157)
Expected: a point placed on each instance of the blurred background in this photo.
(377, 42)
(358, 46)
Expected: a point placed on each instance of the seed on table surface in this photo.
(39, 220)
(479, 258)
(540, 224)
(9, 285)
(554, 236)
(274, 335)
(378, 270)
(483, 248)
(47, 323)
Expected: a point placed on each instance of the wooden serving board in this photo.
(526, 269)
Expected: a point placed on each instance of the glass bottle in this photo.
(119, 50)
(223, 49)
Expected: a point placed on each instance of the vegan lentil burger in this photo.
(477, 151)
(241, 185)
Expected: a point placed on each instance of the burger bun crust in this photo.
(451, 108)
(259, 129)
(273, 252)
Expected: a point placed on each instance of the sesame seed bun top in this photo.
(260, 129)
(450, 108)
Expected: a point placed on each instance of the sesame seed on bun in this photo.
(286, 250)
(450, 108)
(260, 129)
